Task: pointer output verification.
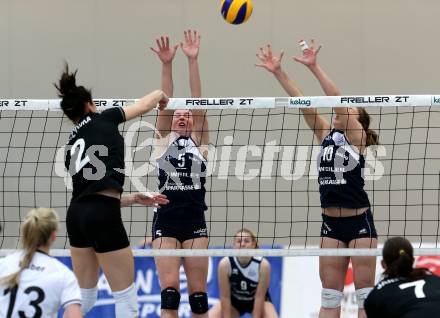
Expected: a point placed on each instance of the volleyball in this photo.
(236, 11)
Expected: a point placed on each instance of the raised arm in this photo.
(190, 48)
(146, 104)
(309, 58)
(263, 286)
(225, 287)
(347, 116)
(272, 63)
(166, 54)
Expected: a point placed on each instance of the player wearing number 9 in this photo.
(96, 233)
(405, 291)
(244, 283)
(33, 284)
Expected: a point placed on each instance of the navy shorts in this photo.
(95, 221)
(246, 306)
(347, 229)
(182, 224)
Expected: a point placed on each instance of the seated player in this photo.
(33, 284)
(405, 291)
(244, 283)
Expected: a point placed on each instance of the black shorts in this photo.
(182, 224)
(95, 221)
(347, 229)
(246, 306)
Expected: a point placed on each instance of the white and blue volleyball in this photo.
(236, 11)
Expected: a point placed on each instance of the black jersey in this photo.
(244, 280)
(340, 173)
(402, 298)
(95, 153)
(182, 175)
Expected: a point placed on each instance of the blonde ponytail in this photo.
(36, 230)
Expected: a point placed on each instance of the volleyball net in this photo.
(262, 172)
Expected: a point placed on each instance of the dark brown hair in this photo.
(365, 119)
(398, 257)
(73, 98)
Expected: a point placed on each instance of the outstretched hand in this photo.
(150, 198)
(270, 62)
(191, 44)
(164, 51)
(310, 55)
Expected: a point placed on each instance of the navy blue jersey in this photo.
(95, 153)
(182, 175)
(403, 298)
(340, 173)
(244, 280)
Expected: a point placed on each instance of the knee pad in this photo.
(126, 305)
(361, 295)
(331, 298)
(198, 302)
(88, 299)
(169, 298)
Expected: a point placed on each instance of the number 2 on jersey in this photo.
(79, 163)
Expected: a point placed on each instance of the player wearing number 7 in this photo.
(405, 291)
(95, 159)
(33, 284)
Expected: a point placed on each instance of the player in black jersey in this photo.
(244, 283)
(95, 159)
(347, 218)
(181, 136)
(405, 292)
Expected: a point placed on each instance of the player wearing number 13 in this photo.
(33, 284)
(405, 292)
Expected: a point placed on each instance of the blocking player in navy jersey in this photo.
(347, 217)
(181, 136)
(244, 283)
(95, 159)
(32, 283)
(405, 291)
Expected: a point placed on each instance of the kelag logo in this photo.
(298, 101)
(435, 100)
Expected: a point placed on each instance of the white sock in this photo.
(89, 296)
(126, 305)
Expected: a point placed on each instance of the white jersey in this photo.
(43, 288)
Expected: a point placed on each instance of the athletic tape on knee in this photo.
(331, 298)
(126, 305)
(88, 299)
(361, 295)
(198, 302)
(169, 298)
